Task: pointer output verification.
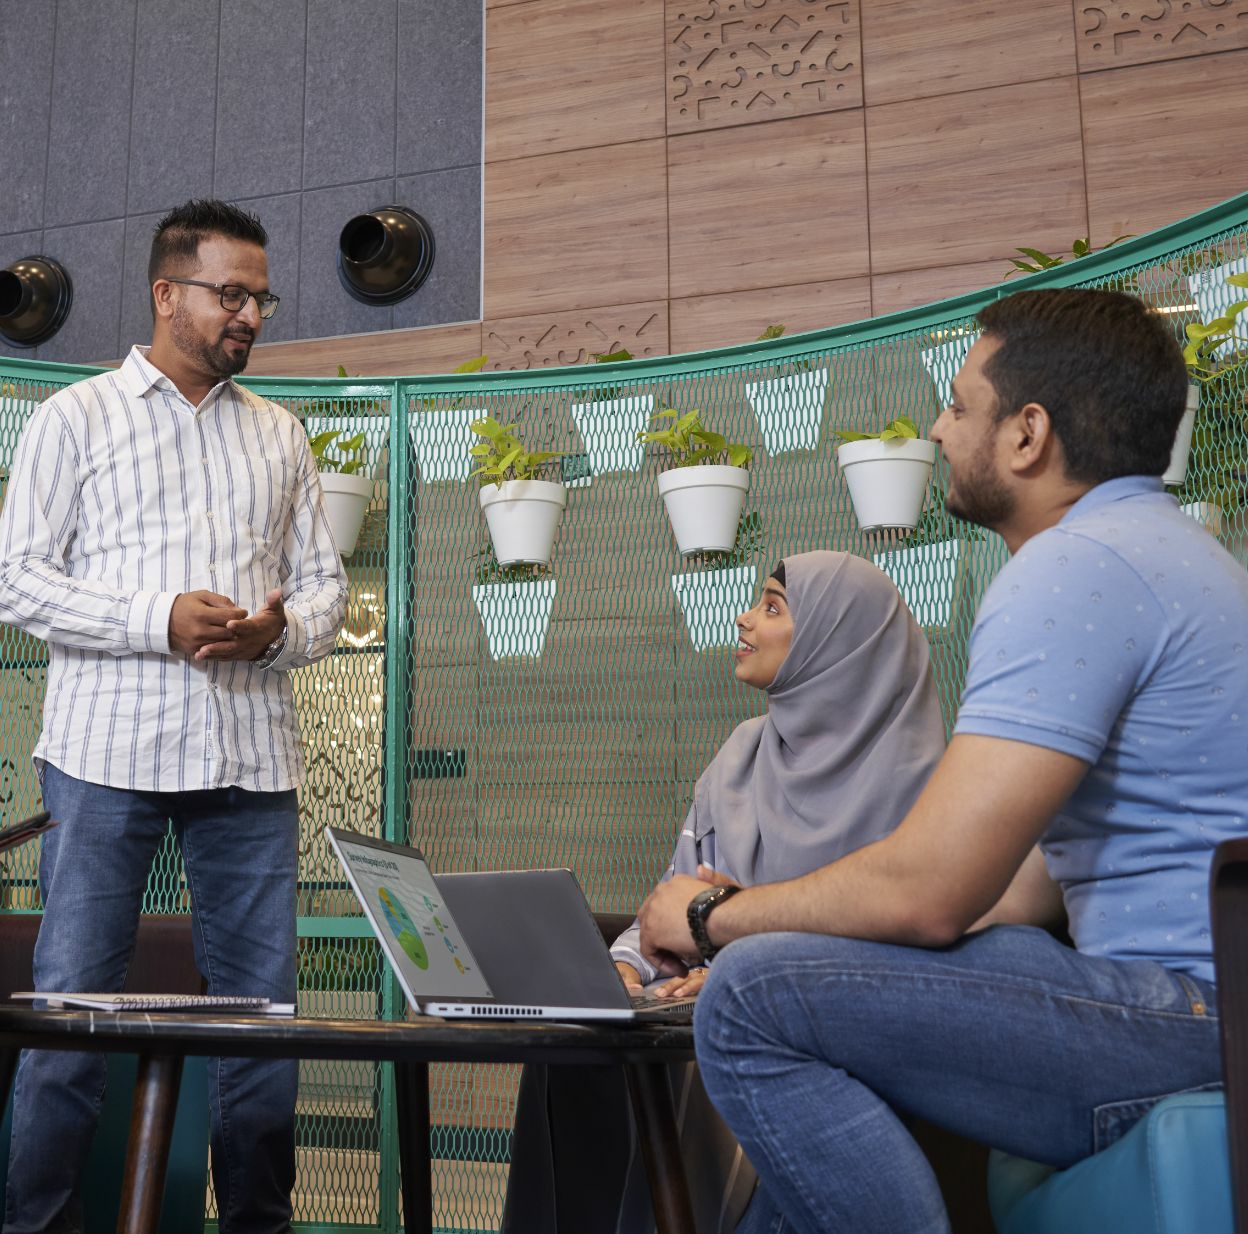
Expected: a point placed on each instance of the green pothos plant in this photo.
(337, 450)
(500, 455)
(691, 444)
(900, 428)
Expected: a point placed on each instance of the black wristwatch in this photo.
(699, 910)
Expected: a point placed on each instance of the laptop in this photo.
(504, 944)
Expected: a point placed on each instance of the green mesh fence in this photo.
(563, 718)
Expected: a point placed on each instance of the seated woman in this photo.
(852, 731)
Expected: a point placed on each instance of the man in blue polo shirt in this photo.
(1103, 733)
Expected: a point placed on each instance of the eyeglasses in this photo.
(234, 297)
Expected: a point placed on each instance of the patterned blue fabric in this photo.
(1120, 636)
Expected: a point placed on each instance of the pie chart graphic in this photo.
(402, 927)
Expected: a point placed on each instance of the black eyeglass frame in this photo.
(265, 300)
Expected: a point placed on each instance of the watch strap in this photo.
(699, 911)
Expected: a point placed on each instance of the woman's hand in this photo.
(629, 976)
(683, 987)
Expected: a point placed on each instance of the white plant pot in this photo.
(609, 430)
(515, 615)
(1176, 469)
(704, 505)
(790, 409)
(711, 601)
(523, 516)
(1207, 513)
(887, 479)
(442, 440)
(346, 500)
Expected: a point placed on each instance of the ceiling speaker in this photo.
(385, 255)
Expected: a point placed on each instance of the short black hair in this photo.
(178, 235)
(1107, 368)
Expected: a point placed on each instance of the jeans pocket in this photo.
(1110, 1122)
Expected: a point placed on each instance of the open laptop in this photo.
(508, 944)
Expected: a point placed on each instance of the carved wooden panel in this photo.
(766, 205)
(907, 54)
(739, 61)
(552, 339)
(566, 74)
(1151, 157)
(968, 177)
(1117, 32)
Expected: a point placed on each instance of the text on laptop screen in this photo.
(402, 899)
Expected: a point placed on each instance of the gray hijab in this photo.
(853, 730)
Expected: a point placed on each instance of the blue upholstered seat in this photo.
(1169, 1174)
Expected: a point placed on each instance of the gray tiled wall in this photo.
(305, 111)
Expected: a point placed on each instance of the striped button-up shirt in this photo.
(122, 495)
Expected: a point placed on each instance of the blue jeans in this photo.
(815, 1048)
(240, 849)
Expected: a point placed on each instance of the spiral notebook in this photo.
(159, 1002)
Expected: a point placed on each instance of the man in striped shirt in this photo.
(163, 531)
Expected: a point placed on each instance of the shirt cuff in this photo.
(147, 622)
(296, 641)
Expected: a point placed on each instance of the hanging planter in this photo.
(346, 500)
(610, 431)
(521, 511)
(711, 601)
(705, 488)
(515, 615)
(887, 474)
(523, 516)
(704, 505)
(789, 409)
(1176, 469)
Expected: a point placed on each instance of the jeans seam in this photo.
(995, 981)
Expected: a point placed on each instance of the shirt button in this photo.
(204, 461)
(208, 514)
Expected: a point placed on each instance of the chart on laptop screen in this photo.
(410, 917)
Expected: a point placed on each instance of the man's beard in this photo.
(213, 357)
(980, 497)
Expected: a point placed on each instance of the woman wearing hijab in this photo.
(852, 731)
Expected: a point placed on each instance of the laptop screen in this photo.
(410, 919)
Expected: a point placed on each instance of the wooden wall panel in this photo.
(764, 60)
(741, 316)
(574, 338)
(768, 204)
(913, 49)
(1151, 155)
(905, 289)
(972, 176)
(577, 229)
(389, 353)
(569, 74)
(1111, 33)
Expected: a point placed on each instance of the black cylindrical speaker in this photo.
(35, 295)
(385, 255)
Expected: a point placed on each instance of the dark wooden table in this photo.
(162, 1041)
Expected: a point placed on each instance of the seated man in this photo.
(1105, 716)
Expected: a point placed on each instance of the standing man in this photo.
(1105, 717)
(163, 531)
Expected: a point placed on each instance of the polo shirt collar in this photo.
(1110, 491)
